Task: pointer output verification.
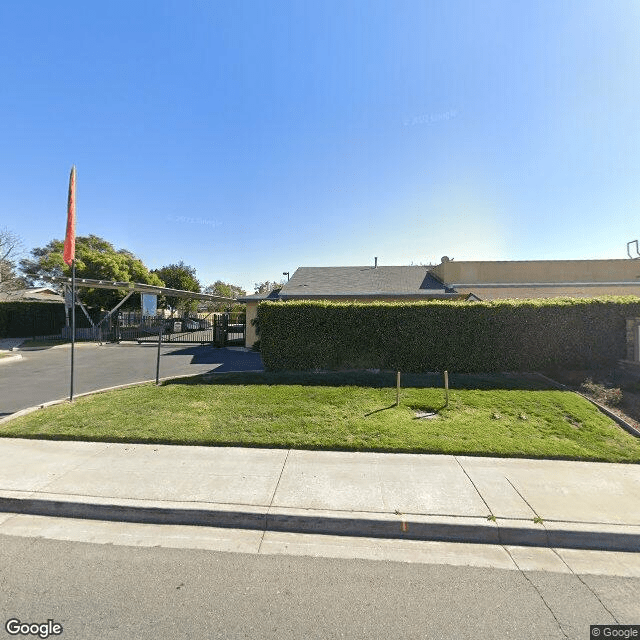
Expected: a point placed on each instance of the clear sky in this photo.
(251, 138)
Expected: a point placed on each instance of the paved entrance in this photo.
(42, 375)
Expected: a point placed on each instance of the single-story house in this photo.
(453, 280)
(355, 284)
(31, 294)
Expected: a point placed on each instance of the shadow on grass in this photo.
(383, 379)
(391, 406)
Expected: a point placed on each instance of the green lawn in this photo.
(506, 416)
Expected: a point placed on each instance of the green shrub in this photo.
(505, 335)
(26, 319)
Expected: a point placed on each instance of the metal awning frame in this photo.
(131, 288)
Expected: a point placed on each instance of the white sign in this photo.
(149, 304)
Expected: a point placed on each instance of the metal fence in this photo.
(220, 329)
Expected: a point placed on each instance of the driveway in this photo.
(43, 375)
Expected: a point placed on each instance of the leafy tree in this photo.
(225, 290)
(179, 276)
(10, 250)
(267, 286)
(96, 258)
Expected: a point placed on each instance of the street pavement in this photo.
(126, 592)
(490, 501)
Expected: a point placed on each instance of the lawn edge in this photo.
(610, 414)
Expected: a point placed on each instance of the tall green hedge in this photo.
(505, 335)
(26, 319)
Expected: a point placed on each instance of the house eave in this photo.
(373, 296)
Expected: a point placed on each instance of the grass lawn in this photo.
(494, 416)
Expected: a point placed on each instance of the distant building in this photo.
(540, 278)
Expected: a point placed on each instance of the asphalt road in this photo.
(44, 375)
(104, 591)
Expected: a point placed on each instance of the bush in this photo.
(505, 335)
(611, 396)
(27, 319)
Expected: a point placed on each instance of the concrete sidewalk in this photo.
(579, 505)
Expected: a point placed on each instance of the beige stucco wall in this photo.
(633, 333)
(560, 291)
(538, 271)
(250, 335)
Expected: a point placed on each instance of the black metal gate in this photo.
(220, 329)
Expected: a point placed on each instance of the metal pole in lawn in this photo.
(446, 388)
(398, 389)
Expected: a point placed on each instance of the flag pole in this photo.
(69, 256)
(73, 322)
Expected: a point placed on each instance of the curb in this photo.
(470, 530)
(66, 345)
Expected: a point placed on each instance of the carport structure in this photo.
(217, 331)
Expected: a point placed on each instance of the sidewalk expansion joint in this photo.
(273, 495)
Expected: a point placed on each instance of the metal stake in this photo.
(158, 358)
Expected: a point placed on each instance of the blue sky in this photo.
(251, 138)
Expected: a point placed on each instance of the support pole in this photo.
(158, 358)
(397, 389)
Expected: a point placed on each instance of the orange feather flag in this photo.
(70, 239)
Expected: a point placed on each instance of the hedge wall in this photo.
(26, 319)
(505, 335)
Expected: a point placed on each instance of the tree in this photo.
(267, 286)
(179, 276)
(97, 259)
(225, 290)
(10, 250)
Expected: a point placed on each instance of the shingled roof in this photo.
(374, 282)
